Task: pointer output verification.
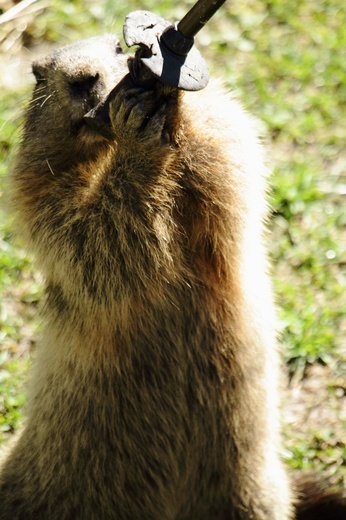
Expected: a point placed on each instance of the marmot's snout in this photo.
(87, 89)
(77, 82)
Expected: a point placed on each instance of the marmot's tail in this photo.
(319, 500)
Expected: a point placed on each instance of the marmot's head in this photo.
(69, 83)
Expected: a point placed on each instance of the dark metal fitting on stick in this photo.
(176, 42)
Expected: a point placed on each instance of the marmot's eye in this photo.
(82, 87)
(118, 49)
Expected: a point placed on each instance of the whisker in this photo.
(49, 166)
(32, 106)
(36, 101)
(50, 95)
(37, 98)
(40, 89)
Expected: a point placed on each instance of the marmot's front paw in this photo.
(136, 115)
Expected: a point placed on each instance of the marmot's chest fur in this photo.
(154, 394)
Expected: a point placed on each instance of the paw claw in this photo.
(139, 115)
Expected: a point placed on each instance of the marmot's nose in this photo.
(82, 87)
(89, 88)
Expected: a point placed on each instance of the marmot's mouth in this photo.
(98, 120)
(98, 117)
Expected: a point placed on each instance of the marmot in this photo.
(155, 390)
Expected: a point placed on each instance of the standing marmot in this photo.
(154, 395)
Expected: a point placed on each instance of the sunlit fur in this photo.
(154, 393)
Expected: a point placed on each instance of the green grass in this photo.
(286, 62)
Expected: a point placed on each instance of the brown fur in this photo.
(319, 499)
(154, 394)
